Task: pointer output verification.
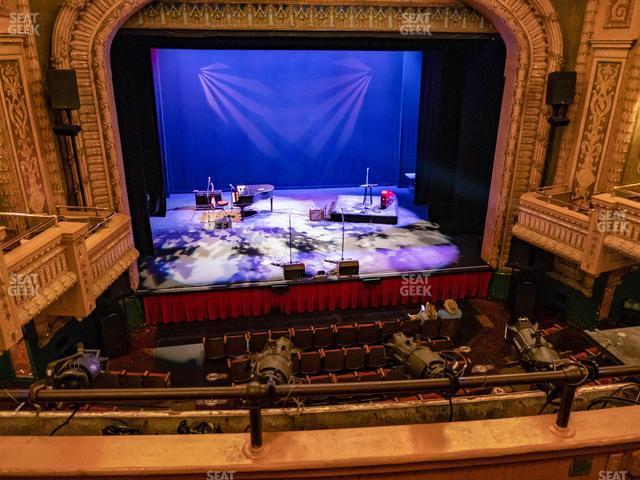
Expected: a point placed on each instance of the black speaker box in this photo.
(115, 334)
(293, 271)
(561, 88)
(529, 258)
(348, 267)
(63, 89)
(523, 296)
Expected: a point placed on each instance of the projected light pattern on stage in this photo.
(190, 253)
(332, 105)
(288, 118)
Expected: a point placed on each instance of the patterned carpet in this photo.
(191, 253)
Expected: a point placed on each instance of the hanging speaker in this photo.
(561, 88)
(63, 89)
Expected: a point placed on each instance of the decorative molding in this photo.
(594, 135)
(572, 131)
(110, 253)
(45, 134)
(455, 18)
(619, 14)
(11, 194)
(22, 134)
(623, 124)
(84, 30)
(552, 227)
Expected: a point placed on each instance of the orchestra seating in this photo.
(127, 379)
(332, 353)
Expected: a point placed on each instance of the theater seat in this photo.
(130, 379)
(390, 327)
(214, 348)
(283, 332)
(333, 360)
(110, 379)
(324, 336)
(315, 379)
(430, 328)
(368, 333)
(346, 335)
(346, 378)
(410, 327)
(448, 327)
(354, 358)
(239, 369)
(303, 337)
(376, 357)
(373, 376)
(236, 345)
(156, 380)
(310, 362)
(394, 373)
(257, 341)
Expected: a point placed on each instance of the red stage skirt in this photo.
(311, 297)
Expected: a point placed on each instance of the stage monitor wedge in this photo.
(348, 267)
(293, 271)
(63, 89)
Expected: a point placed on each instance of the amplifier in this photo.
(203, 198)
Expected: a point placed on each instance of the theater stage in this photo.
(189, 253)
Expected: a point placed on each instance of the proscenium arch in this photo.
(84, 31)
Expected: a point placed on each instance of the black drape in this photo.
(460, 112)
(137, 119)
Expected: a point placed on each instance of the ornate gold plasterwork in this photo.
(11, 199)
(455, 18)
(593, 139)
(572, 131)
(84, 30)
(22, 134)
(619, 14)
(623, 124)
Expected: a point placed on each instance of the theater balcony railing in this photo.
(602, 237)
(58, 264)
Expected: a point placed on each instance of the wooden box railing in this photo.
(602, 238)
(552, 226)
(61, 271)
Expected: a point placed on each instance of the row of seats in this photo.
(315, 361)
(126, 379)
(326, 336)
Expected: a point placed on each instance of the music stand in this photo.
(368, 189)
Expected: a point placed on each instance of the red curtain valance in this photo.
(310, 297)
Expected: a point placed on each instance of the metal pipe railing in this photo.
(261, 395)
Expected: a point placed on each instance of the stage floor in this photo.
(191, 254)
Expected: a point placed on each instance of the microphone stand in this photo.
(290, 242)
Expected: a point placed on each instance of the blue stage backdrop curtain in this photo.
(291, 118)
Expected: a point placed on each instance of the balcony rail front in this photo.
(59, 264)
(260, 395)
